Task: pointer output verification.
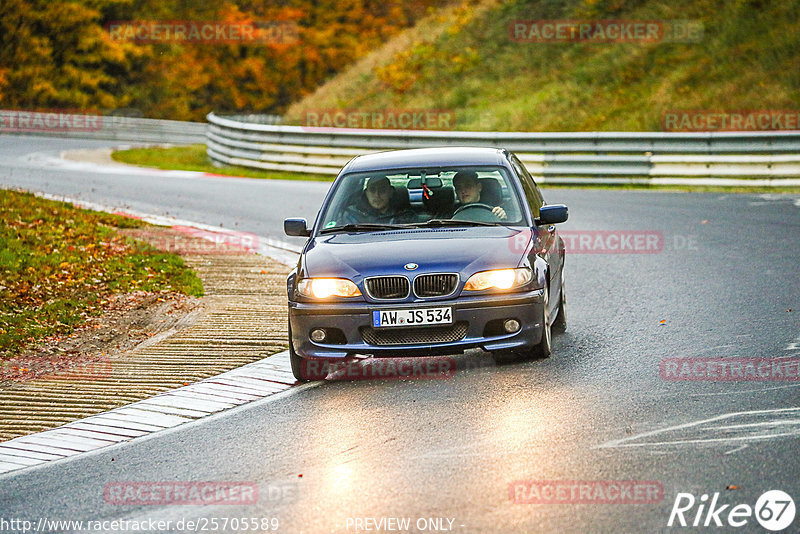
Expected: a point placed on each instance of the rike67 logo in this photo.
(774, 510)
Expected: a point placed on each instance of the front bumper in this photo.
(480, 315)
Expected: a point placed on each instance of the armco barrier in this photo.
(659, 158)
(123, 126)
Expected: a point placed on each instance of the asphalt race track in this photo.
(459, 454)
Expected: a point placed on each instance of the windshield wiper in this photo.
(364, 227)
(452, 222)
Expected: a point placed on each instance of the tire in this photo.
(542, 349)
(300, 367)
(560, 324)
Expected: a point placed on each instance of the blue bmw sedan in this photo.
(427, 252)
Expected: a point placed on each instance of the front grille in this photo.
(388, 287)
(414, 336)
(435, 285)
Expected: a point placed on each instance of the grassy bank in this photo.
(465, 60)
(194, 158)
(59, 264)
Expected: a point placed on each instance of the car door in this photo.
(549, 248)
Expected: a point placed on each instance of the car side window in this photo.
(532, 193)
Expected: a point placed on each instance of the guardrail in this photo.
(659, 158)
(118, 127)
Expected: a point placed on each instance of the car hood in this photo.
(462, 250)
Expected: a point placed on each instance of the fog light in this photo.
(318, 335)
(511, 325)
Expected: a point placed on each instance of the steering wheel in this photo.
(479, 212)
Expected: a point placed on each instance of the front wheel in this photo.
(304, 369)
(542, 349)
(560, 324)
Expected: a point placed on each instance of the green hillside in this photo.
(464, 59)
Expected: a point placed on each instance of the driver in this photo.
(468, 190)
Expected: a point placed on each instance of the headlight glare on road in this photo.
(498, 279)
(322, 288)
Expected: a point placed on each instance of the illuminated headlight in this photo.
(498, 279)
(322, 288)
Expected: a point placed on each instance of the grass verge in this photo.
(194, 158)
(59, 264)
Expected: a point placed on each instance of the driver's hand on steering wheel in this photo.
(500, 212)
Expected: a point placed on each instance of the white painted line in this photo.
(204, 398)
(221, 395)
(270, 375)
(6, 458)
(57, 443)
(223, 391)
(280, 364)
(112, 416)
(47, 449)
(737, 449)
(116, 431)
(8, 466)
(739, 392)
(154, 418)
(69, 440)
(9, 459)
(261, 385)
(627, 442)
(770, 424)
(249, 390)
(190, 404)
(28, 454)
(170, 410)
(108, 420)
(79, 432)
(138, 420)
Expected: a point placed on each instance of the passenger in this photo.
(375, 205)
(468, 190)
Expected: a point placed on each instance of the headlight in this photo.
(498, 279)
(322, 288)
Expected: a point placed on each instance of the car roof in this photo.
(426, 157)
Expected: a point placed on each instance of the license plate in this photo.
(412, 317)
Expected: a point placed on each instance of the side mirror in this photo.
(296, 227)
(552, 214)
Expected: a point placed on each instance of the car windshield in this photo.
(422, 197)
